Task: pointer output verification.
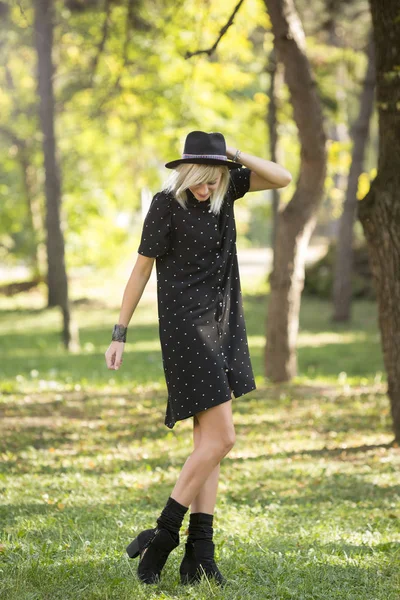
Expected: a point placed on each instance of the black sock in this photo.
(200, 527)
(172, 516)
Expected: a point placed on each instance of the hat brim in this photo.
(204, 161)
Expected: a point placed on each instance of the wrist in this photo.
(236, 156)
(119, 333)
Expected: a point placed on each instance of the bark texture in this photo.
(379, 211)
(272, 123)
(56, 276)
(297, 221)
(342, 288)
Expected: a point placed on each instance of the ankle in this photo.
(171, 517)
(201, 517)
(200, 527)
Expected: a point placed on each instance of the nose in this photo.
(203, 189)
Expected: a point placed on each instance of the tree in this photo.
(379, 211)
(272, 122)
(297, 221)
(342, 289)
(56, 275)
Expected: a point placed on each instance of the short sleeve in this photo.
(156, 233)
(239, 184)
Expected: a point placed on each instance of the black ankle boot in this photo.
(199, 551)
(154, 547)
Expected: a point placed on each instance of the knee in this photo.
(222, 444)
(228, 442)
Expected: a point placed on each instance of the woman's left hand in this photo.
(230, 151)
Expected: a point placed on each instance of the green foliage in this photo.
(123, 111)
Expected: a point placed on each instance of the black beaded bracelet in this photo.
(119, 333)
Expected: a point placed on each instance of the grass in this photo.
(308, 504)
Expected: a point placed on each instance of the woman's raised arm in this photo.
(265, 173)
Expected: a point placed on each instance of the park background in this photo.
(95, 97)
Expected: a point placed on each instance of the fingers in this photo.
(114, 356)
(118, 360)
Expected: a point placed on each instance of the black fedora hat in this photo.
(204, 149)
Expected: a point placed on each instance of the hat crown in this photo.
(204, 149)
(199, 143)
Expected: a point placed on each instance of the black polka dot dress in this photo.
(201, 321)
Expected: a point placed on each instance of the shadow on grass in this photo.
(109, 420)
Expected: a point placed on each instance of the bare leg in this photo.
(216, 440)
(207, 496)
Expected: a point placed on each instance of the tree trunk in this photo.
(379, 211)
(272, 123)
(338, 128)
(39, 258)
(342, 289)
(297, 221)
(56, 276)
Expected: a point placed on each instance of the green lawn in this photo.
(308, 505)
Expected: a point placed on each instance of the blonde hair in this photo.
(187, 175)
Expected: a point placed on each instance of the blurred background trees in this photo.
(125, 96)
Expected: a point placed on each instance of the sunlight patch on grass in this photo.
(316, 339)
(330, 337)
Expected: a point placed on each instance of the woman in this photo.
(190, 231)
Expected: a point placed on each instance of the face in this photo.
(203, 191)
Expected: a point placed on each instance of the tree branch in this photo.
(103, 40)
(128, 24)
(222, 32)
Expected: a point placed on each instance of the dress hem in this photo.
(172, 424)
